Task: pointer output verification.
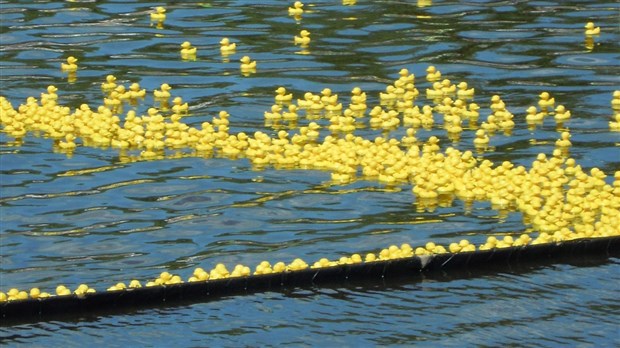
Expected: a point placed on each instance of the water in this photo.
(97, 219)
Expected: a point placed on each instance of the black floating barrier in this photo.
(438, 266)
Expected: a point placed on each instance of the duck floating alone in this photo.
(70, 66)
(297, 9)
(159, 15)
(226, 46)
(591, 30)
(303, 38)
(247, 63)
(187, 49)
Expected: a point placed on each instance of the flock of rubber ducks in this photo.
(557, 197)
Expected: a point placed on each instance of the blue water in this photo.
(95, 218)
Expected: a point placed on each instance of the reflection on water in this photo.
(112, 221)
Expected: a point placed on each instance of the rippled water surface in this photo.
(95, 218)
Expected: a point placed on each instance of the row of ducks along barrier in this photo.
(394, 264)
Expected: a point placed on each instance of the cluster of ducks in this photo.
(557, 197)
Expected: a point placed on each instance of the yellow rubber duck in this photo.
(591, 30)
(297, 9)
(615, 126)
(226, 46)
(291, 115)
(447, 87)
(163, 92)
(110, 83)
(564, 140)
(472, 112)
(327, 98)
(463, 92)
(275, 114)
(247, 63)
(303, 38)
(159, 15)
(482, 139)
(179, 107)
(282, 97)
(615, 101)
(389, 96)
(405, 76)
(561, 114)
(432, 74)
(187, 49)
(435, 92)
(497, 104)
(359, 97)
(546, 101)
(533, 116)
(136, 92)
(70, 66)
(69, 143)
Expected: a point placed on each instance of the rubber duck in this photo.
(591, 30)
(70, 66)
(297, 9)
(497, 104)
(226, 46)
(472, 112)
(454, 126)
(447, 87)
(275, 113)
(533, 116)
(432, 74)
(490, 125)
(291, 115)
(405, 77)
(306, 102)
(313, 131)
(62, 290)
(247, 63)
(561, 114)
(136, 92)
(297, 265)
(546, 101)
(179, 107)
(69, 143)
(615, 101)
(83, 289)
(282, 97)
(614, 126)
(159, 15)
(389, 96)
(564, 140)
(110, 83)
(463, 92)
(359, 97)
(435, 92)
(303, 38)
(163, 92)
(481, 140)
(327, 98)
(507, 122)
(187, 49)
